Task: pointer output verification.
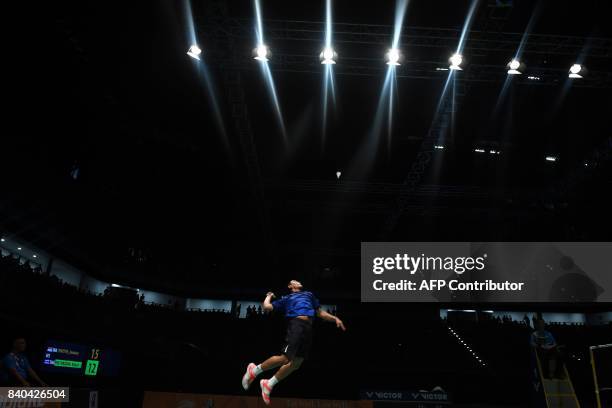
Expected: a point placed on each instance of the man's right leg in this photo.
(253, 370)
(283, 372)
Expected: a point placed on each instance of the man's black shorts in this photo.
(299, 338)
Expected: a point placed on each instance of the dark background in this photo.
(111, 91)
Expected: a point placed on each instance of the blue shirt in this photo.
(19, 362)
(297, 304)
(544, 339)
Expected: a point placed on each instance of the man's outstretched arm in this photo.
(267, 304)
(330, 318)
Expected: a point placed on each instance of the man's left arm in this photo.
(330, 318)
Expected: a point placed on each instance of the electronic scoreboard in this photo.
(79, 359)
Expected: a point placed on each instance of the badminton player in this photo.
(300, 308)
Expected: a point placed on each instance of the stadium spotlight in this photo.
(455, 62)
(2, 239)
(328, 56)
(575, 70)
(439, 147)
(513, 67)
(551, 158)
(194, 52)
(262, 52)
(19, 248)
(393, 57)
(35, 256)
(479, 150)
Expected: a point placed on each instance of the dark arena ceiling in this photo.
(141, 164)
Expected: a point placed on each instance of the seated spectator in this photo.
(548, 352)
(15, 367)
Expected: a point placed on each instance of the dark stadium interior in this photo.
(117, 161)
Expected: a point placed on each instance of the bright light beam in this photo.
(400, 12)
(445, 122)
(328, 44)
(328, 24)
(517, 56)
(265, 70)
(190, 24)
(259, 25)
(466, 26)
(456, 61)
(261, 51)
(214, 103)
(327, 90)
(194, 50)
(393, 92)
(205, 77)
(519, 52)
(390, 84)
(362, 162)
(328, 60)
(332, 84)
(534, 16)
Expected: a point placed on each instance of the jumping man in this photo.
(300, 308)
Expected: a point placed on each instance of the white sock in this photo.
(272, 382)
(258, 370)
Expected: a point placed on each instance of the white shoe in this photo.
(248, 376)
(265, 391)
